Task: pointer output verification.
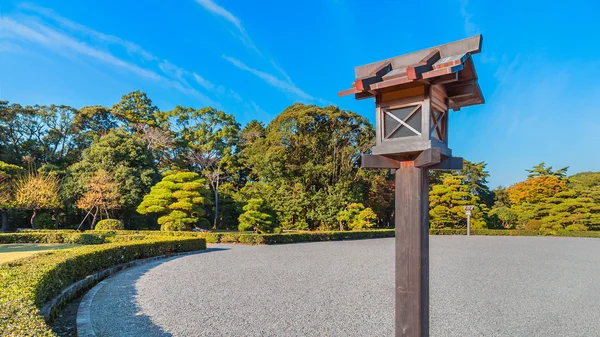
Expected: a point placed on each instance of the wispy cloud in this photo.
(27, 29)
(272, 80)
(66, 42)
(74, 26)
(9, 47)
(212, 7)
(470, 27)
(241, 34)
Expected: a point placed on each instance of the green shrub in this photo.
(109, 224)
(29, 283)
(576, 228)
(45, 221)
(256, 217)
(204, 223)
(533, 225)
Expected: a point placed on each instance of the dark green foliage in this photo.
(45, 221)
(307, 166)
(126, 158)
(109, 224)
(29, 283)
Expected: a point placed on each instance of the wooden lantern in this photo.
(413, 95)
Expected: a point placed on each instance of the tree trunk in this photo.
(216, 208)
(94, 220)
(341, 226)
(56, 218)
(4, 217)
(32, 221)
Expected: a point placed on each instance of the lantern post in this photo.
(468, 210)
(413, 95)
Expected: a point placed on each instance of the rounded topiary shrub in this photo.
(204, 223)
(533, 225)
(109, 224)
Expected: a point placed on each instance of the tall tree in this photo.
(136, 108)
(206, 139)
(126, 158)
(475, 176)
(311, 155)
(541, 170)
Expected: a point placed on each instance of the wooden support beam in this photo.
(448, 164)
(428, 157)
(462, 89)
(377, 161)
(445, 79)
(426, 64)
(412, 251)
(348, 92)
(363, 95)
(442, 71)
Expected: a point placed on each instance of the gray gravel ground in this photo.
(480, 286)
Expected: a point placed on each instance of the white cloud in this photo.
(9, 47)
(175, 76)
(470, 27)
(27, 29)
(271, 79)
(50, 14)
(212, 7)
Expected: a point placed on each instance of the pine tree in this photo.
(447, 201)
(566, 209)
(179, 197)
(256, 216)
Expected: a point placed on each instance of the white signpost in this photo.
(468, 210)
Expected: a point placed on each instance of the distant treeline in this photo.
(62, 167)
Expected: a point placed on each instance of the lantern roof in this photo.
(449, 64)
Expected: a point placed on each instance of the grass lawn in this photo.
(13, 251)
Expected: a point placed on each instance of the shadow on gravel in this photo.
(121, 299)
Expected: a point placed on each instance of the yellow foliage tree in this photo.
(101, 195)
(37, 191)
(535, 189)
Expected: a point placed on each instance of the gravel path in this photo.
(480, 286)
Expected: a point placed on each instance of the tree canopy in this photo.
(304, 166)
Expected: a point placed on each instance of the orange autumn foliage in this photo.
(533, 190)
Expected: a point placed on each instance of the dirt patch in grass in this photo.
(14, 251)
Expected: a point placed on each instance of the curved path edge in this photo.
(84, 322)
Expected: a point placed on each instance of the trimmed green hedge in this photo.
(54, 237)
(259, 239)
(29, 283)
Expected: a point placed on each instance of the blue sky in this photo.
(538, 71)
